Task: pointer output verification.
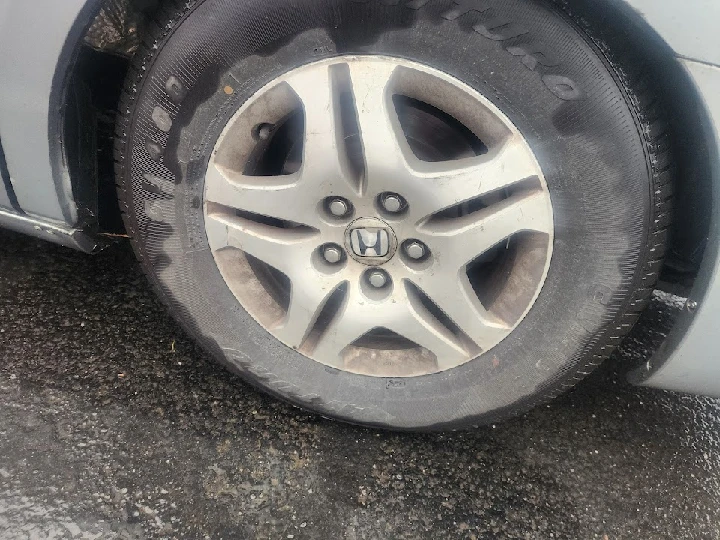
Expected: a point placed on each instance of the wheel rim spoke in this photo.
(270, 196)
(462, 239)
(442, 185)
(324, 155)
(283, 249)
(385, 148)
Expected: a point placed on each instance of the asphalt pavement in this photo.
(113, 424)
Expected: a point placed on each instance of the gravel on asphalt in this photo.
(113, 424)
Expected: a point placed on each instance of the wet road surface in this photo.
(114, 425)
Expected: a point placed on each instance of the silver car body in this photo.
(37, 39)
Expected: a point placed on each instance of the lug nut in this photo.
(339, 207)
(333, 254)
(378, 278)
(392, 202)
(416, 250)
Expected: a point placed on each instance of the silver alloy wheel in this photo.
(484, 218)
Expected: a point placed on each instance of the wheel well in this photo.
(618, 31)
(118, 26)
(112, 33)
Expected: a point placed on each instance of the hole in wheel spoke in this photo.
(349, 122)
(273, 280)
(245, 216)
(281, 153)
(434, 135)
(382, 352)
(466, 209)
(272, 221)
(275, 153)
(261, 289)
(441, 317)
(501, 277)
(330, 310)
